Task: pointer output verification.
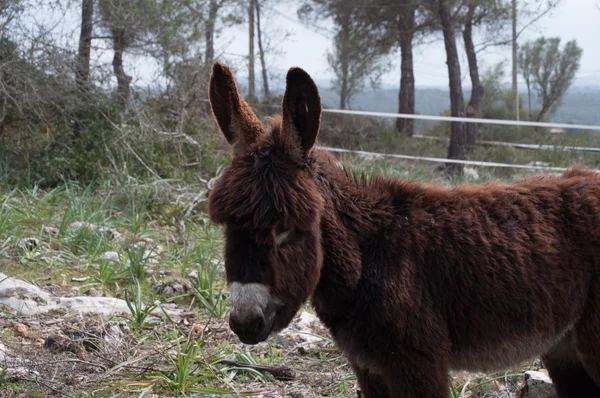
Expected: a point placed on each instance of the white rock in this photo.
(370, 156)
(110, 256)
(80, 224)
(30, 299)
(471, 173)
(537, 385)
(113, 234)
(303, 329)
(29, 243)
(3, 353)
(50, 230)
(21, 372)
(193, 275)
(537, 163)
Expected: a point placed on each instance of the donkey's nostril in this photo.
(249, 330)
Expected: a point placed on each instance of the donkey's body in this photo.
(412, 280)
(473, 278)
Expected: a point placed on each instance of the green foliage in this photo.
(188, 370)
(138, 258)
(140, 312)
(359, 50)
(110, 273)
(548, 70)
(233, 371)
(205, 290)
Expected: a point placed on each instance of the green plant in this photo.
(232, 371)
(188, 371)
(138, 258)
(139, 311)
(203, 289)
(109, 273)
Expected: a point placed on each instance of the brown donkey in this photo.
(412, 280)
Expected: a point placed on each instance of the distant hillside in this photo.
(581, 105)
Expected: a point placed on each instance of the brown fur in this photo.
(413, 280)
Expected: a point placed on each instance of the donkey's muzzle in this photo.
(250, 330)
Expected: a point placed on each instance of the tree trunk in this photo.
(529, 99)
(343, 55)
(515, 88)
(477, 92)
(251, 79)
(123, 80)
(209, 34)
(82, 69)
(406, 96)
(261, 52)
(458, 138)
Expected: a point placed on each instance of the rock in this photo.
(29, 299)
(92, 292)
(111, 256)
(193, 276)
(538, 164)
(3, 353)
(163, 273)
(471, 173)
(21, 330)
(21, 372)
(50, 230)
(112, 234)
(79, 225)
(304, 330)
(536, 385)
(370, 156)
(302, 394)
(29, 243)
(170, 288)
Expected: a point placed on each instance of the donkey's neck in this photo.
(353, 215)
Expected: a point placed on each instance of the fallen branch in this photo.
(282, 373)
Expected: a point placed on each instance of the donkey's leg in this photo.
(587, 336)
(371, 385)
(567, 372)
(419, 377)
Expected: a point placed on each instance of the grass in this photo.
(77, 226)
(388, 141)
(188, 370)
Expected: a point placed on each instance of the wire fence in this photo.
(513, 123)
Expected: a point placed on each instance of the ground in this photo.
(144, 243)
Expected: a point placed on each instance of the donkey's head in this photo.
(268, 202)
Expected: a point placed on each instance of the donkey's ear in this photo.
(301, 112)
(235, 118)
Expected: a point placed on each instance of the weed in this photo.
(138, 258)
(204, 290)
(110, 273)
(188, 371)
(140, 312)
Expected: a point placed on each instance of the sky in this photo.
(306, 48)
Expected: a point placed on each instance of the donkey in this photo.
(412, 280)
